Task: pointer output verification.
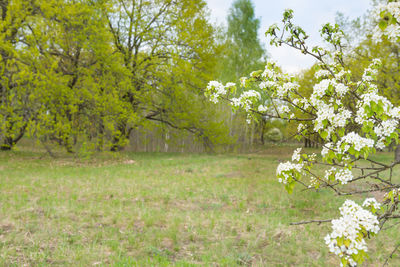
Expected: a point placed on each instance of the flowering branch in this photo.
(351, 119)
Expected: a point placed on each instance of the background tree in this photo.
(79, 67)
(16, 76)
(168, 47)
(79, 72)
(244, 52)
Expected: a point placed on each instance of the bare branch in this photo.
(391, 255)
(312, 221)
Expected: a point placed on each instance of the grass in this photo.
(163, 210)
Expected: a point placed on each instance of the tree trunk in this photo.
(262, 128)
(7, 144)
(10, 142)
(116, 142)
(397, 154)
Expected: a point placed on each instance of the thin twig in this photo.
(312, 221)
(391, 255)
(391, 226)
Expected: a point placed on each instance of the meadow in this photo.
(163, 209)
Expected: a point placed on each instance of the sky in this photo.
(308, 14)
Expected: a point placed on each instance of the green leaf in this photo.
(324, 134)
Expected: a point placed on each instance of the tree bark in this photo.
(10, 142)
(397, 154)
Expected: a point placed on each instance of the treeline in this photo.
(97, 74)
(74, 72)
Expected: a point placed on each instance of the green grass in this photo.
(162, 210)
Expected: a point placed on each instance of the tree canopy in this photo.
(75, 71)
(244, 51)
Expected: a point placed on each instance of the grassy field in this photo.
(162, 210)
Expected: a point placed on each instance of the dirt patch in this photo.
(167, 243)
(5, 228)
(379, 195)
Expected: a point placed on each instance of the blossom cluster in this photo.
(393, 195)
(365, 104)
(219, 89)
(372, 203)
(322, 74)
(296, 154)
(329, 114)
(216, 89)
(246, 100)
(285, 171)
(351, 118)
(347, 237)
(350, 144)
(291, 171)
(343, 176)
(388, 27)
(376, 111)
(386, 128)
(354, 140)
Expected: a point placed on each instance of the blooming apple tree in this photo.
(351, 118)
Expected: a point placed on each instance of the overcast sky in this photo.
(309, 14)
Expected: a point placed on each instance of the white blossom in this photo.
(283, 90)
(312, 157)
(284, 168)
(340, 119)
(296, 154)
(348, 228)
(366, 101)
(344, 176)
(322, 74)
(230, 84)
(235, 102)
(326, 148)
(341, 89)
(267, 84)
(268, 73)
(300, 127)
(246, 99)
(283, 109)
(355, 140)
(392, 31)
(371, 202)
(262, 108)
(386, 128)
(321, 88)
(330, 172)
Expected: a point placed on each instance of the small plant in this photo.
(274, 135)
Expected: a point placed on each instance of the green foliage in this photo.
(166, 73)
(364, 49)
(244, 52)
(16, 79)
(274, 135)
(95, 70)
